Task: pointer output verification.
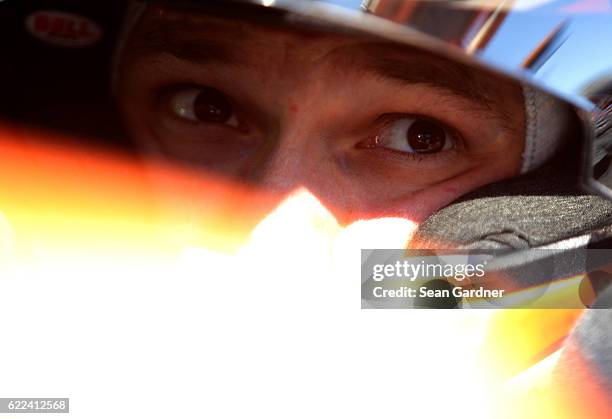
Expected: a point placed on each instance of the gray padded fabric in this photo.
(531, 210)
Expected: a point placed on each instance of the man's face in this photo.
(370, 128)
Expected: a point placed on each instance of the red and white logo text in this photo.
(63, 29)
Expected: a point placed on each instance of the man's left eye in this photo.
(413, 135)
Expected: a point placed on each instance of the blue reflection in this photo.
(347, 3)
(586, 53)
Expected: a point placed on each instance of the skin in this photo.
(319, 111)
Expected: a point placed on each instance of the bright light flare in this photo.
(148, 291)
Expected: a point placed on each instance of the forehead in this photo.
(262, 41)
(244, 36)
(230, 39)
(241, 22)
(247, 34)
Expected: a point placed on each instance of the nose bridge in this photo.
(292, 155)
(287, 161)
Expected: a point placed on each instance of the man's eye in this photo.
(413, 135)
(203, 104)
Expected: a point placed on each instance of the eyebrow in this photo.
(169, 38)
(419, 67)
(415, 69)
(408, 65)
(401, 63)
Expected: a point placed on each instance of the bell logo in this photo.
(63, 29)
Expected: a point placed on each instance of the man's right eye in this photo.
(203, 105)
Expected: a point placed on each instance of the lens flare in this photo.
(189, 287)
